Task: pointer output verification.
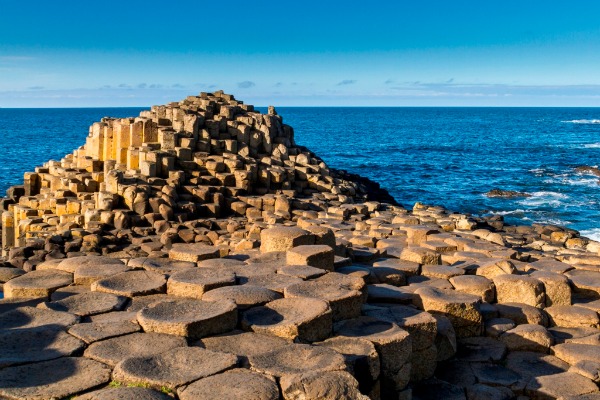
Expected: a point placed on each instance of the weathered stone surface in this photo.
(572, 353)
(556, 287)
(495, 375)
(88, 303)
(328, 385)
(124, 393)
(461, 308)
(480, 349)
(529, 365)
(301, 271)
(193, 252)
(559, 386)
(173, 368)
(94, 331)
(162, 265)
(476, 285)
(528, 337)
(585, 282)
(54, 379)
(245, 296)
(519, 288)
(73, 263)
(20, 346)
(297, 359)
(274, 282)
(572, 316)
(194, 282)
(31, 317)
(360, 356)
(303, 319)
(232, 385)
(111, 351)
(345, 303)
(188, 317)
(283, 238)
(522, 313)
(243, 344)
(37, 284)
(132, 283)
(317, 256)
(87, 274)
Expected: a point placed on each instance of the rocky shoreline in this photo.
(197, 252)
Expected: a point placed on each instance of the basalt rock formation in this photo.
(197, 252)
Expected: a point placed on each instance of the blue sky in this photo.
(393, 53)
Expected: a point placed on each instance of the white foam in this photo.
(591, 146)
(509, 212)
(593, 234)
(553, 199)
(583, 121)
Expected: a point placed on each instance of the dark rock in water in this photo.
(586, 169)
(507, 194)
(369, 190)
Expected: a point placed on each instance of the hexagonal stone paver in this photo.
(173, 368)
(132, 283)
(392, 343)
(528, 337)
(54, 379)
(67, 291)
(20, 346)
(301, 271)
(71, 264)
(522, 313)
(111, 351)
(91, 332)
(31, 317)
(243, 344)
(297, 359)
(572, 316)
(318, 256)
(139, 302)
(193, 252)
(461, 308)
(328, 385)
(520, 288)
(475, 284)
(232, 385)
(283, 238)
(275, 282)
(559, 386)
(359, 354)
(575, 352)
(528, 365)
(245, 296)
(585, 282)
(304, 319)
(87, 303)
(87, 274)
(189, 317)
(161, 265)
(194, 282)
(345, 303)
(6, 274)
(125, 393)
(36, 284)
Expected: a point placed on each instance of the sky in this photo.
(64, 53)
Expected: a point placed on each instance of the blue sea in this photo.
(444, 156)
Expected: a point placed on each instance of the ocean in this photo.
(436, 155)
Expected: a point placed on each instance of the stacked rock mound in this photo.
(196, 253)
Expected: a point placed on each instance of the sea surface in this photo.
(444, 156)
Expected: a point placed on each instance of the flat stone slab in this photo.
(573, 353)
(244, 296)
(585, 282)
(56, 379)
(31, 317)
(359, 354)
(161, 265)
(318, 256)
(275, 282)
(328, 385)
(20, 346)
(6, 273)
(173, 368)
(193, 252)
(132, 283)
(87, 303)
(87, 274)
(297, 359)
(71, 264)
(301, 271)
(528, 337)
(189, 317)
(519, 288)
(345, 303)
(37, 284)
(522, 313)
(125, 393)
(392, 343)
(94, 331)
(408, 268)
(139, 302)
(385, 293)
(283, 238)
(461, 308)
(572, 317)
(243, 344)
(481, 349)
(112, 351)
(67, 291)
(303, 319)
(560, 386)
(232, 385)
(475, 284)
(194, 282)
